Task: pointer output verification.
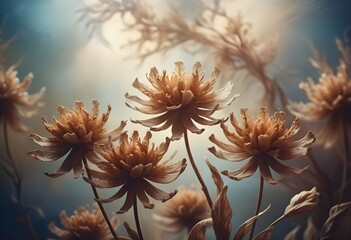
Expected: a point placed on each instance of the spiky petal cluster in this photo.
(180, 99)
(184, 210)
(131, 165)
(83, 225)
(75, 133)
(264, 141)
(15, 102)
(330, 99)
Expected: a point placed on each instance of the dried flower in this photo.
(330, 99)
(180, 99)
(14, 99)
(184, 210)
(75, 133)
(302, 202)
(132, 164)
(263, 140)
(83, 225)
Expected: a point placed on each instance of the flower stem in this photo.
(17, 181)
(136, 217)
(276, 221)
(198, 175)
(258, 206)
(102, 209)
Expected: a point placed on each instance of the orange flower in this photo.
(14, 98)
(132, 164)
(185, 209)
(181, 99)
(75, 133)
(83, 225)
(264, 141)
(330, 99)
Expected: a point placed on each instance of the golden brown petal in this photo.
(266, 140)
(78, 132)
(180, 99)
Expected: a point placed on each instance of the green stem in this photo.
(258, 206)
(18, 184)
(136, 217)
(198, 175)
(96, 195)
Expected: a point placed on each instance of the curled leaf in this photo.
(215, 176)
(198, 232)
(302, 202)
(337, 215)
(265, 234)
(132, 234)
(222, 215)
(245, 228)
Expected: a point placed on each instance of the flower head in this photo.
(75, 132)
(180, 99)
(83, 225)
(15, 102)
(330, 99)
(264, 141)
(184, 210)
(302, 202)
(132, 165)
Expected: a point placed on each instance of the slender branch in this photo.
(18, 185)
(198, 175)
(136, 217)
(102, 209)
(258, 206)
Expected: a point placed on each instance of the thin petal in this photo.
(157, 193)
(246, 171)
(265, 172)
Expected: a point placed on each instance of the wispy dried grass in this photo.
(229, 39)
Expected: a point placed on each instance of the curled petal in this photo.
(246, 171)
(157, 193)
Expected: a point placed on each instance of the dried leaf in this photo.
(336, 217)
(198, 232)
(133, 234)
(302, 202)
(215, 176)
(265, 234)
(292, 234)
(222, 215)
(245, 228)
(310, 231)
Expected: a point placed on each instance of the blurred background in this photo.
(51, 42)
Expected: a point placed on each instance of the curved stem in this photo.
(18, 185)
(102, 209)
(276, 221)
(258, 206)
(198, 175)
(136, 217)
